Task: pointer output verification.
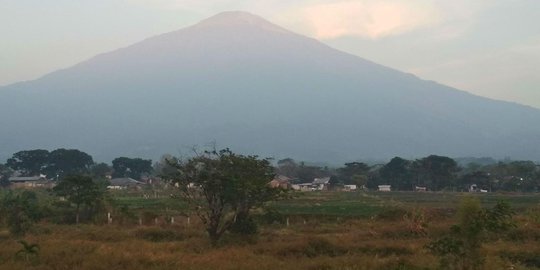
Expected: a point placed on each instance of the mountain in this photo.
(245, 83)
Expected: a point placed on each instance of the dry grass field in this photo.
(383, 235)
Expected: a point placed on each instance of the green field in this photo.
(346, 204)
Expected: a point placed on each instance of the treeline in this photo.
(60, 163)
(434, 172)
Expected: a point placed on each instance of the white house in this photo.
(321, 183)
(350, 187)
(385, 188)
(303, 187)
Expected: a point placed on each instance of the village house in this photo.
(303, 187)
(350, 187)
(475, 188)
(125, 183)
(321, 183)
(385, 188)
(30, 182)
(280, 181)
(317, 184)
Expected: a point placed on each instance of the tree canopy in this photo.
(131, 167)
(68, 161)
(29, 162)
(222, 186)
(54, 164)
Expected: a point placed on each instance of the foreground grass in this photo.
(348, 244)
(326, 231)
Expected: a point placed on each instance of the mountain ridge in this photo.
(225, 79)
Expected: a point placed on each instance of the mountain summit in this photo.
(235, 18)
(248, 84)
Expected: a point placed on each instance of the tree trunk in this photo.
(214, 238)
(77, 215)
(214, 232)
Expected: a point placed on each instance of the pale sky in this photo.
(487, 47)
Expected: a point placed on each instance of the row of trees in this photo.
(56, 163)
(62, 162)
(434, 172)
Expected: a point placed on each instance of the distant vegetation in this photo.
(201, 211)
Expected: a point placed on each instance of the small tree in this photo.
(79, 190)
(223, 187)
(5, 173)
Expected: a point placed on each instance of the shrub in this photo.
(30, 252)
(21, 211)
(533, 214)
(416, 221)
(271, 216)
(244, 225)
(529, 259)
(460, 249)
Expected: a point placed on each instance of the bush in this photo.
(416, 221)
(528, 259)
(62, 213)
(533, 214)
(460, 249)
(21, 211)
(271, 216)
(244, 225)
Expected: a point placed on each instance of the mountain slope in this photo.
(245, 83)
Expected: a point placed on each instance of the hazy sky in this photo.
(487, 47)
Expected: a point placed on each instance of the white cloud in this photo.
(368, 18)
(328, 19)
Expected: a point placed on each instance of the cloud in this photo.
(329, 19)
(322, 19)
(369, 19)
